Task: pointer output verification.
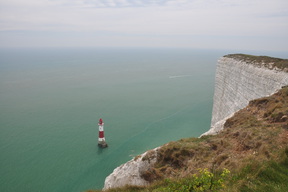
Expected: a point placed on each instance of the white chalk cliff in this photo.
(130, 172)
(239, 81)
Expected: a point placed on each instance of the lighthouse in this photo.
(101, 140)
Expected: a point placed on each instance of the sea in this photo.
(52, 98)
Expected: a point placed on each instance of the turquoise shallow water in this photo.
(51, 101)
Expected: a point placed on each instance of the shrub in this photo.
(203, 181)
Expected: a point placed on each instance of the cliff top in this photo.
(262, 61)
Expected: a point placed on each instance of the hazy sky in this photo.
(224, 24)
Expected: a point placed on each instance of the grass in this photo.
(257, 176)
(268, 62)
(267, 176)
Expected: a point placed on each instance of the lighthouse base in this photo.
(102, 144)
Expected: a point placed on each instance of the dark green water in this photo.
(51, 100)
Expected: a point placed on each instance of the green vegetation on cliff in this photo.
(253, 146)
(268, 62)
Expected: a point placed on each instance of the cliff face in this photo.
(241, 78)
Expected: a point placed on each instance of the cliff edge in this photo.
(131, 173)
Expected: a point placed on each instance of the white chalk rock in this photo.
(130, 172)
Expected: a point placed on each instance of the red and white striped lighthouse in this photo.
(101, 140)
